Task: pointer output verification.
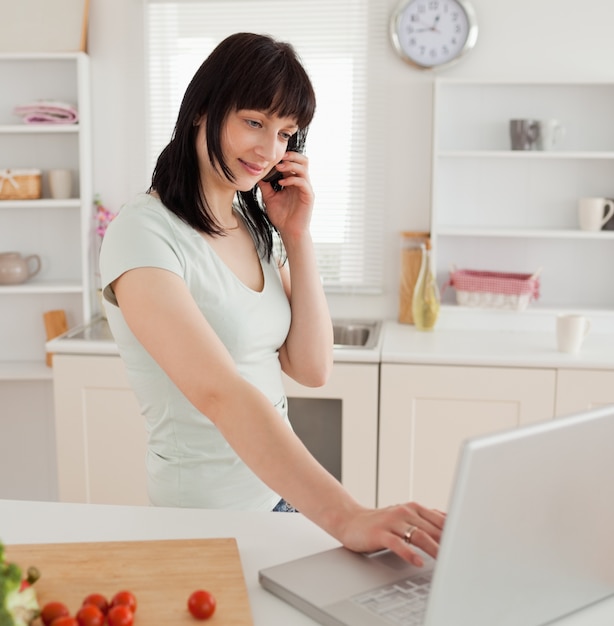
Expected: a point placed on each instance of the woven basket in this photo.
(20, 184)
(494, 290)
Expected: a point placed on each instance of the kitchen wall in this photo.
(519, 40)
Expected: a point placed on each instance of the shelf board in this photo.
(526, 154)
(534, 233)
(24, 371)
(38, 287)
(41, 203)
(37, 129)
(515, 82)
(42, 56)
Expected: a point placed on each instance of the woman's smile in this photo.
(253, 168)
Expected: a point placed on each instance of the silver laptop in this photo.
(527, 540)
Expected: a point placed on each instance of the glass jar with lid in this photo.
(411, 259)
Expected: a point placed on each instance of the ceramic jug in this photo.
(15, 269)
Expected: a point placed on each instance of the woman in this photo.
(205, 314)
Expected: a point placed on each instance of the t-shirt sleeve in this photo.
(139, 236)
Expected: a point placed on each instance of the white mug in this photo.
(550, 134)
(60, 184)
(570, 332)
(593, 213)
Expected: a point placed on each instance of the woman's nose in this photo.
(269, 149)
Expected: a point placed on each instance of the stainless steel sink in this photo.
(356, 333)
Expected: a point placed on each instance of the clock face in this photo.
(432, 33)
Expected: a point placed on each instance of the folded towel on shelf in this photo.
(47, 112)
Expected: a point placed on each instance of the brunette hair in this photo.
(245, 71)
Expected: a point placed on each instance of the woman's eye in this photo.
(285, 136)
(254, 123)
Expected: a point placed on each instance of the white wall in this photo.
(519, 39)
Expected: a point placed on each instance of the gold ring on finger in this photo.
(408, 533)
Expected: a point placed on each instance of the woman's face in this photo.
(253, 142)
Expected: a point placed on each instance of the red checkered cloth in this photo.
(495, 282)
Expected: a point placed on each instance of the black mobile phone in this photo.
(296, 143)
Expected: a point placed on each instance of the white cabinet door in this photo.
(356, 385)
(426, 412)
(100, 433)
(579, 390)
(27, 454)
(101, 437)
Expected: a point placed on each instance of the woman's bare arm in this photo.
(180, 339)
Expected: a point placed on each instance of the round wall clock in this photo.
(430, 34)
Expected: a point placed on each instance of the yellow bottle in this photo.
(426, 300)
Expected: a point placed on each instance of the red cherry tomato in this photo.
(126, 598)
(120, 615)
(90, 615)
(201, 604)
(97, 600)
(52, 610)
(65, 620)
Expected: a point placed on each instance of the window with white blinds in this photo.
(334, 42)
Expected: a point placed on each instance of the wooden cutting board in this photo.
(161, 574)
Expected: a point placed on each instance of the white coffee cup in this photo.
(60, 184)
(550, 134)
(593, 213)
(570, 332)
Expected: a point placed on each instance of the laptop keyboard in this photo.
(402, 603)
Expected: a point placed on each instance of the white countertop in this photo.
(478, 337)
(264, 539)
(491, 347)
(92, 338)
(461, 337)
(96, 338)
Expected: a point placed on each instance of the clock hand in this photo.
(427, 28)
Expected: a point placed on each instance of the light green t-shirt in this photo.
(189, 463)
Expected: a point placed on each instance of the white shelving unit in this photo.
(516, 211)
(59, 231)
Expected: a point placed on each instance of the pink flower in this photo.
(103, 217)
